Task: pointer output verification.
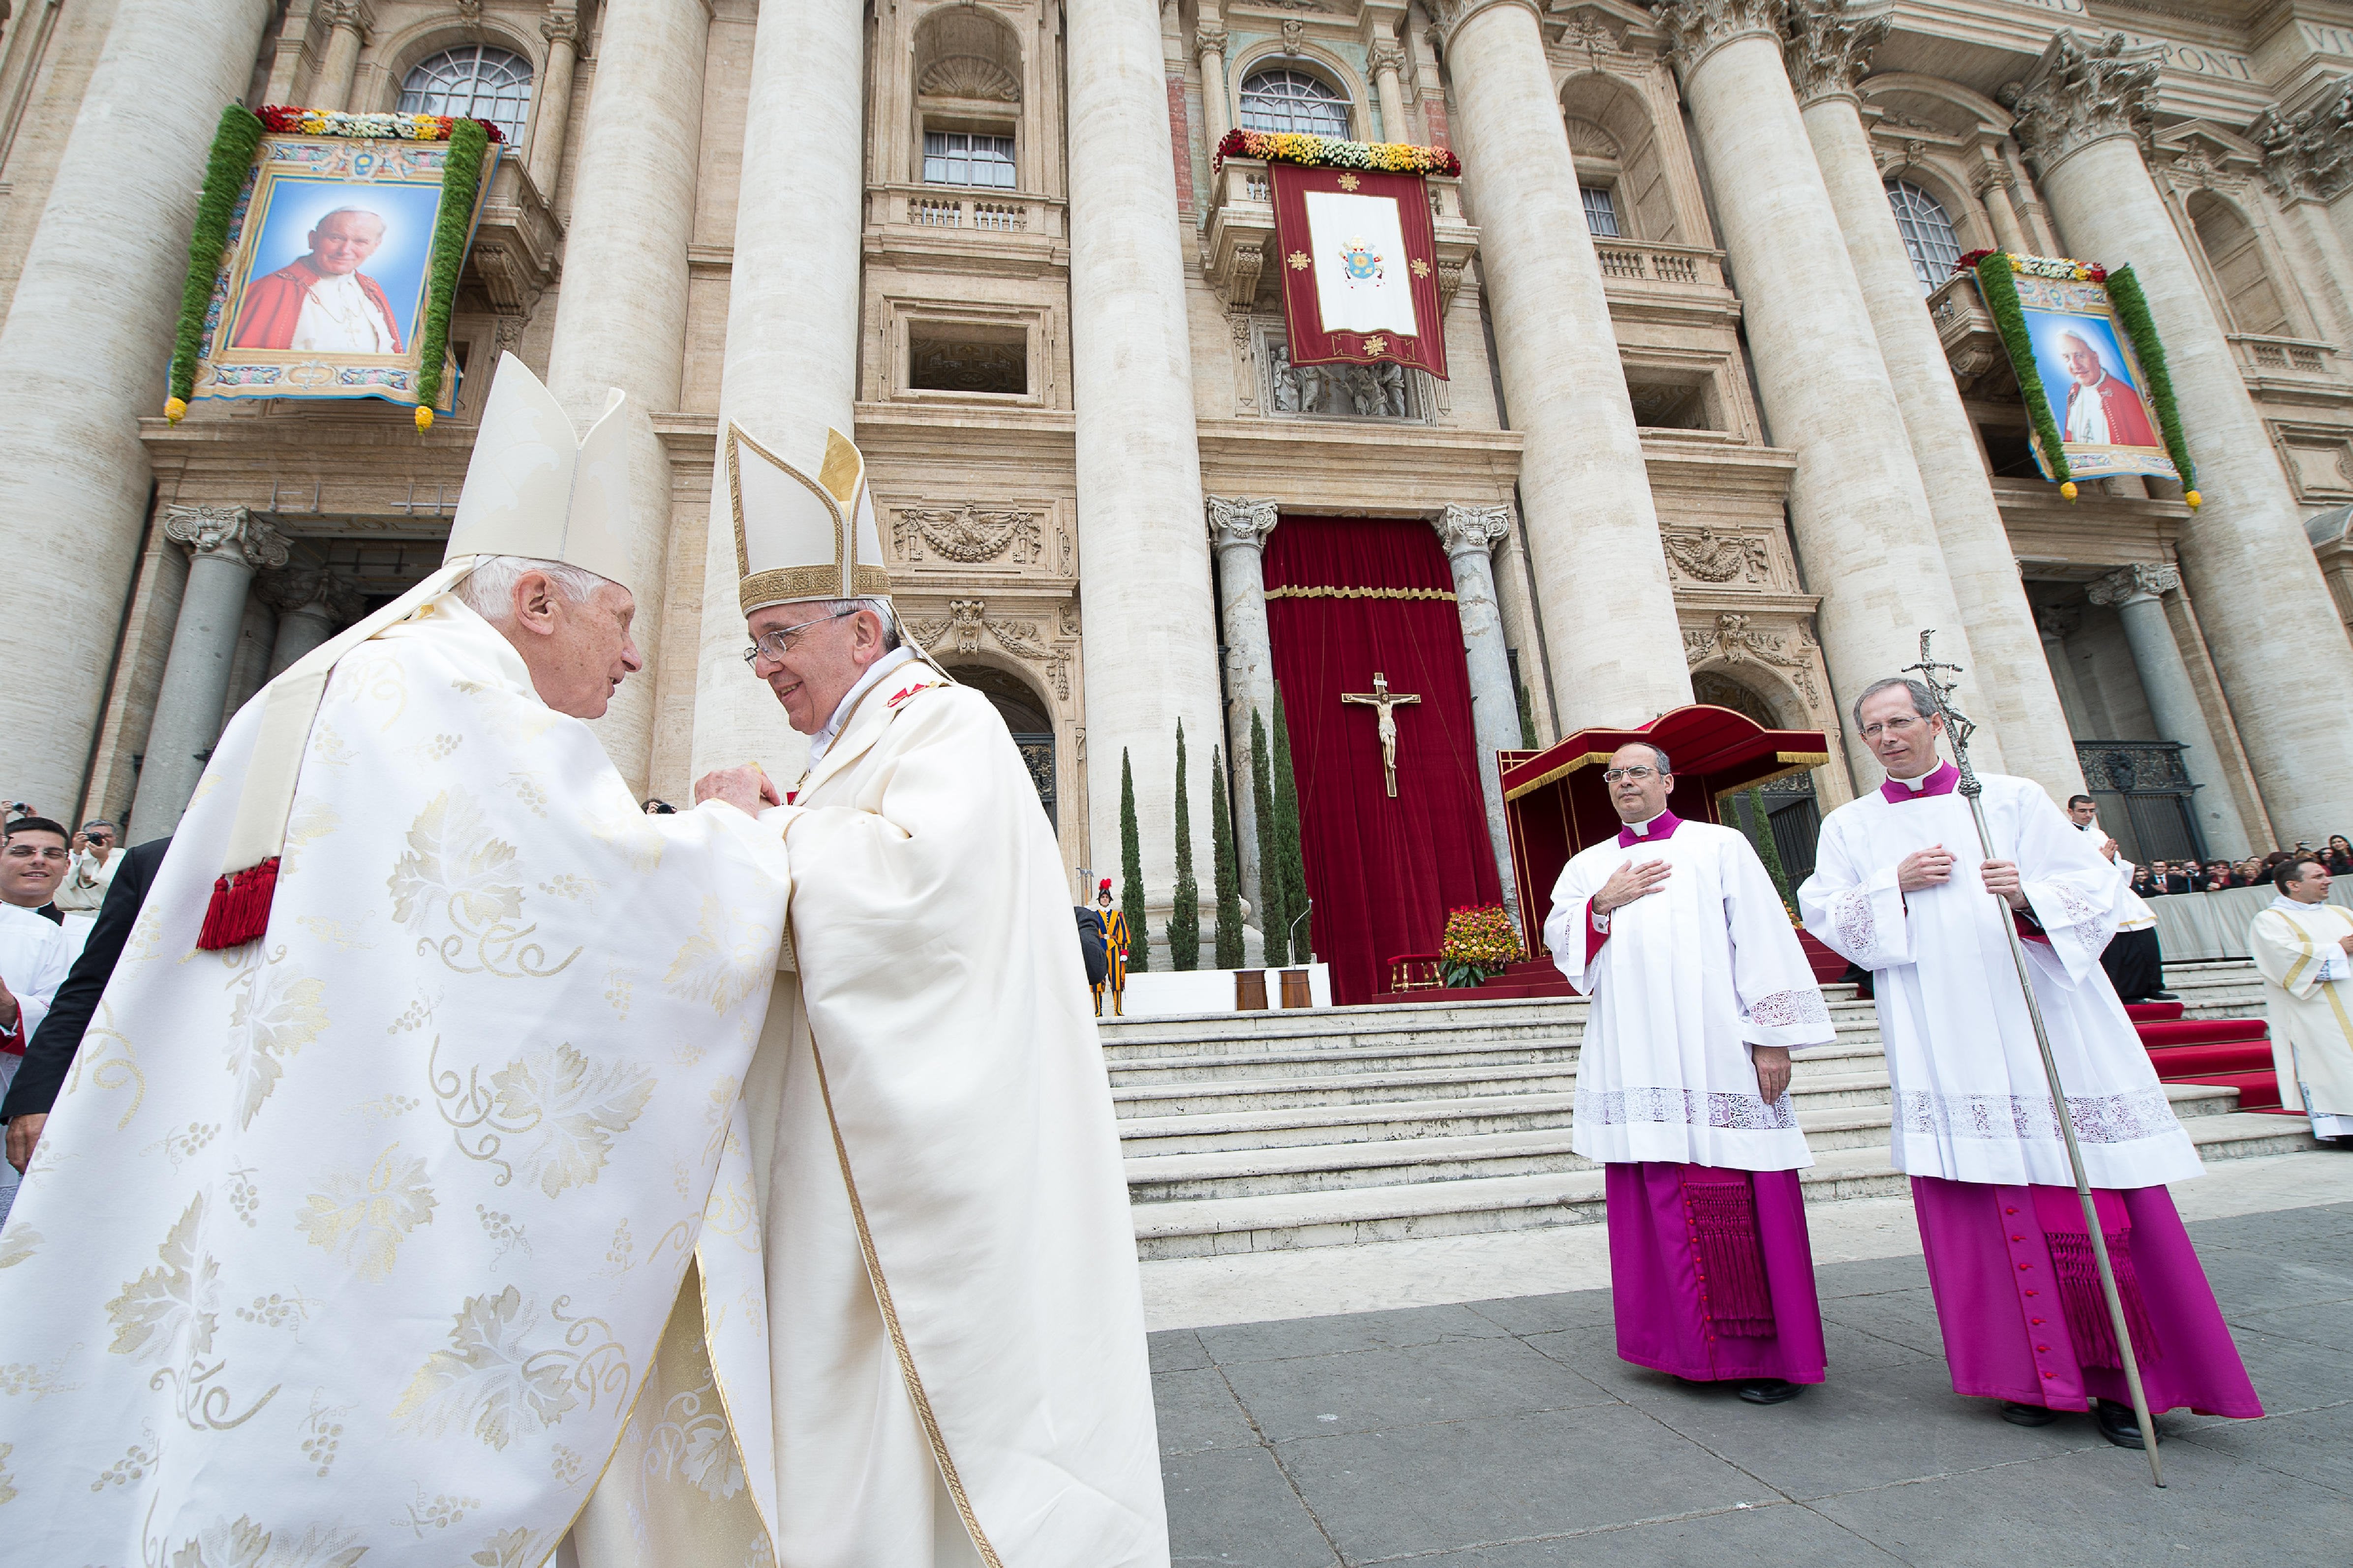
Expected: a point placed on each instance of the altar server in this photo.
(2304, 945)
(1699, 990)
(1901, 888)
(948, 1367)
(353, 1233)
(2134, 959)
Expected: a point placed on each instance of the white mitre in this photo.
(531, 489)
(799, 537)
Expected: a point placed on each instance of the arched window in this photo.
(2237, 257)
(476, 82)
(1292, 100)
(1927, 233)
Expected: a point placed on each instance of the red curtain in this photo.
(1383, 872)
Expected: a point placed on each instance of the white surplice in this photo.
(936, 1244)
(36, 953)
(1971, 1104)
(2308, 999)
(2133, 912)
(353, 1244)
(1689, 977)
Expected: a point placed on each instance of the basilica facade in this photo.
(1720, 421)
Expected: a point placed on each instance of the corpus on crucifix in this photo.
(1385, 702)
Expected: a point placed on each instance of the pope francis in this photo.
(933, 1237)
(356, 1226)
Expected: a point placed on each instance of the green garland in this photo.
(234, 142)
(1997, 281)
(461, 178)
(2132, 309)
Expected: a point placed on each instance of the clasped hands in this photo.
(747, 788)
(1933, 867)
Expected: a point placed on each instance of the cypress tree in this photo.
(1185, 919)
(1271, 918)
(1527, 718)
(1291, 858)
(1131, 866)
(1228, 877)
(1758, 824)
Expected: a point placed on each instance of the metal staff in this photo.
(1958, 728)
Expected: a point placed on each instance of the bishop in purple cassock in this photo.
(1699, 990)
(1900, 887)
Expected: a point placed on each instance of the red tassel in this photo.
(240, 910)
(1737, 1300)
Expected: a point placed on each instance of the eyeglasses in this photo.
(1901, 724)
(1632, 776)
(781, 641)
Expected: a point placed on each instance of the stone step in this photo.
(1205, 1227)
(1188, 1097)
(1339, 1062)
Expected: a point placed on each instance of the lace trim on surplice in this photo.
(1789, 1009)
(2125, 1118)
(1686, 1108)
(1857, 927)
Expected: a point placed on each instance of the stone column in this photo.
(349, 23)
(1993, 184)
(1593, 532)
(1217, 95)
(621, 317)
(227, 545)
(313, 604)
(1469, 534)
(79, 365)
(791, 365)
(561, 29)
(2053, 625)
(2270, 624)
(1238, 529)
(1152, 630)
(2136, 591)
(1826, 50)
(1386, 61)
(1857, 505)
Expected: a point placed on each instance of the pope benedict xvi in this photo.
(355, 1228)
(919, 1342)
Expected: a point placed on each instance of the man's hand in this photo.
(2108, 848)
(1929, 867)
(747, 788)
(2346, 943)
(1629, 882)
(2002, 879)
(25, 1136)
(9, 1013)
(1772, 1071)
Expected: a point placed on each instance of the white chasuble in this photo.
(352, 1245)
(2308, 1000)
(1971, 1104)
(954, 1368)
(1685, 979)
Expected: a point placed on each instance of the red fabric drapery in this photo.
(1383, 872)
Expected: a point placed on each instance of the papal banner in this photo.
(1359, 267)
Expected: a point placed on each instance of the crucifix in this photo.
(1385, 702)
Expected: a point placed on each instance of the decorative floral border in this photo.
(1997, 274)
(226, 173)
(1331, 152)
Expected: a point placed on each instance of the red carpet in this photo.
(2232, 1052)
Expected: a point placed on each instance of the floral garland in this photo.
(1331, 152)
(1997, 271)
(1479, 943)
(229, 166)
(287, 119)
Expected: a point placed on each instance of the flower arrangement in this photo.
(1331, 152)
(1479, 943)
(287, 119)
(2064, 268)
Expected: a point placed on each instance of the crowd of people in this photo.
(2161, 877)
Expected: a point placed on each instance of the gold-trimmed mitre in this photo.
(801, 537)
(532, 490)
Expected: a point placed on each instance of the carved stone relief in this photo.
(1338, 391)
(972, 535)
(1734, 640)
(1707, 556)
(967, 629)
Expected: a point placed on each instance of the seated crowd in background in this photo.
(2255, 871)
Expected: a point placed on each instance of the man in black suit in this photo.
(50, 1055)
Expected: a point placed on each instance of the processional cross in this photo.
(1385, 702)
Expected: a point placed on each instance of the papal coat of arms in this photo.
(1360, 261)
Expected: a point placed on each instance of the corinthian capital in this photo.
(1828, 45)
(1240, 521)
(1461, 527)
(1384, 57)
(353, 14)
(2309, 155)
(2127, 584)
(1209, 40)
(2081, 92)
(563, 24)
(1697, 28)
(229, 530)
(293, 590)
(1450, 15)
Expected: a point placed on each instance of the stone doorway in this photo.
(1025, 716)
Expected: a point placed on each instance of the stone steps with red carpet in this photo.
(2234, 1053)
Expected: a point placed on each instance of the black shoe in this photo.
(2161, 997)
(2117, 1424)
(1770, 1390)
(2019, 1415)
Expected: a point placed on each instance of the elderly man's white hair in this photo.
(352, 211)
(881, 608)
(488, 591)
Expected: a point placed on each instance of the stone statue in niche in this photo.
(1347, 390)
